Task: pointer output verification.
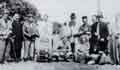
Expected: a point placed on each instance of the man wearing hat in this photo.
(18, 36)
(99, 31)
(72, 26)
(82, 47)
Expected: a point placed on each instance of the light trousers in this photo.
(28, 49)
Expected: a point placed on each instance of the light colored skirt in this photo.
(114, 48)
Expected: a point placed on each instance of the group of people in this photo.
(24, 38)
(94, 43)
(16, 34)
(88, 39)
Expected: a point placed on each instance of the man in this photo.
(4, 31)
(93, 39)
(100, 34)
(30, 34)
(65, 33)
(18, 35)
(99, 42)
(72, 25)
(85, 27)
(83, 40)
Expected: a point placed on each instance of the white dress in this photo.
(114, 43)
(45, 31)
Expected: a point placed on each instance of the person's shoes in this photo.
(10, 60)
(25, 59)
(18, 60)
(1, 62)
(30, 58)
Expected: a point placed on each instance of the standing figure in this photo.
(93, 39)
(100, 34)
(44, 42)
(30, 34)
(114, 44)
(18, 35)
(4, 32)
(83, 40)
(72, 25)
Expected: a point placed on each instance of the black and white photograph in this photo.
(59, 34)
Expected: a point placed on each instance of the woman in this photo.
(114, 42)
(44, 42)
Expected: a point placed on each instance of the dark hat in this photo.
(84, 17)
(73, 15)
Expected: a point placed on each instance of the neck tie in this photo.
(98, 29)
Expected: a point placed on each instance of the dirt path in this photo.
(55, 66)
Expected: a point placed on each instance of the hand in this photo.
(88, 32)
(109, 37)
(102, 39)
(96, 33)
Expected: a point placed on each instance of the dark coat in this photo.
(103, 31)
(17, 30)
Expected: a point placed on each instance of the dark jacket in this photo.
(103, 31)
(17, 30)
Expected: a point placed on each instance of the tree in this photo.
(18, 6)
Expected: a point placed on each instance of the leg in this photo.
(31, 51)
(5, 49)
(26, 49)
(73, 50)
(18, 49)
(103, 46)
(93, 46)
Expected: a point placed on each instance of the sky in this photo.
(60, 10)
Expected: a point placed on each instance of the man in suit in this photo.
(18, 35)
(93, 39)
(99, 31)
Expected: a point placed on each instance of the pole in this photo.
(98, 6)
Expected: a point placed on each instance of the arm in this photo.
(25, 33)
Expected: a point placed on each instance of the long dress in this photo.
(114, 42)
(45, 39)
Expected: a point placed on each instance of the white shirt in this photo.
(45, 29)
(5, 26)
(65, 31)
